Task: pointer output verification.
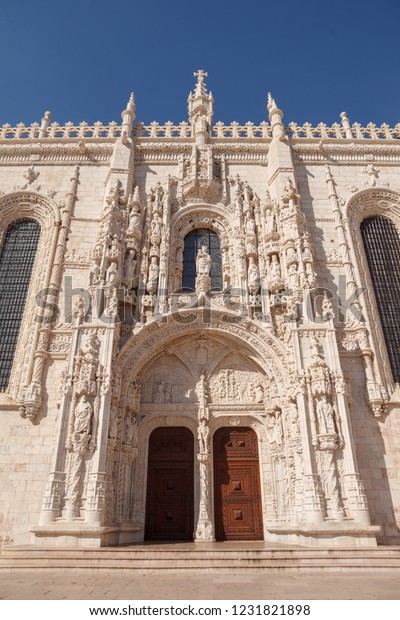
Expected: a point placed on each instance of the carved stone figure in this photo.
(325, 416)
(154, 271)
(203, 261)
(258, 393)
(83, 416)
(203, 433)
(112, 274)
(94, 274)
(275, 268)
(270, 222)
(276, 427)
(134, 219)
(131, 430)
(130, 265)
(294, 280)
(293, 415)
(253, 277)
(163, 393)
(156, 226)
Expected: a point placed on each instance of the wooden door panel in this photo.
(238, 513)
(169, 506)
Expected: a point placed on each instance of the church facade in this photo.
(200, 331)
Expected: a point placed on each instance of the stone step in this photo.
(164, 558)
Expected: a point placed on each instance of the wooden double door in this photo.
(237, 494)
(170, 482)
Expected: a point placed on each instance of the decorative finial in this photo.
(271, 105)
(200, 85)
(128, 116)
(131, 103)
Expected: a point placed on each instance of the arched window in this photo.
(382, 248)
(17, 257)
(193, 242)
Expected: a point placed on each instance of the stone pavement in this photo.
(194, 584)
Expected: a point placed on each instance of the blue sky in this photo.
(81, 59)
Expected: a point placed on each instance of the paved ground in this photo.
(133, 585)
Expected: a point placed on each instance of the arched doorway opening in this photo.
(237, 491)
(169, 503)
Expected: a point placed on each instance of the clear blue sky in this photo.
(81, 59)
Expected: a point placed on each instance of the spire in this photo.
(271, 105)
(275, 116)
(128, 116)
(200, 108)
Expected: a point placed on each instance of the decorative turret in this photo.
(200, 109)
(128, 116)
(275, 116)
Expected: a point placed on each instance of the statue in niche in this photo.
(276, 427)
(270, 222)
(309, 273)
(325, 416)
(134, 219)
(94, 273)
(203, 433)
(156, 226)
(275, 268)
(83, 416)
(294, 419)
(154, 270)
(253, 276)
(203, 261)
(250, 227)
(294, 280)
(130, 265)
(131, 430)
(112, 274)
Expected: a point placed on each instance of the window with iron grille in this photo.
(193, 242)
(17, 257)
(382, 247)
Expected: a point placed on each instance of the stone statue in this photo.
(112, 274)
(94, 274)
(131, 431)
(275, 268)
(253, 276)
(203, 433)
(156, 226)
(154, 270)
(258, 393)
(294, 280)
(203, 261)
(163, 394)
(270, 222)
(294, 418)
(325, 416)
(134, 219)
(129, 265)
(250, 226)
(83, 416)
